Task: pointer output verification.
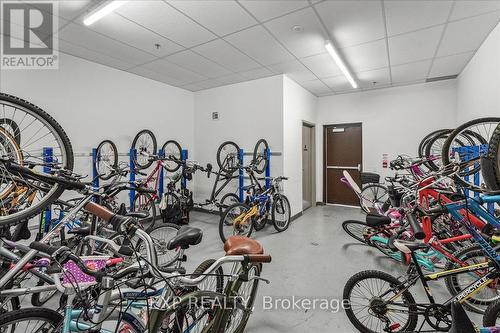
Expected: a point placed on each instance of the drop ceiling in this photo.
(202, 44)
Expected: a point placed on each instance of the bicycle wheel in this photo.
(31, 320)
(37, 132)
(372, 197)
(214, 282)
(106, 159)
(172, 148)
(491, 316)
(228, 157)
(434, 148)
(367, 293)
(235, 221)
(478, 133)
(490, 163)
(12, 128)
(281, 212)
(39, 299)
(422, 145)
(355, 229)
(455, 284)
(260, 156)
(228, 199)
(144, 144)
(145, 202)
(236, 318)
(161, 235)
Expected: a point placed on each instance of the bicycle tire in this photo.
(280, 227)
(377, 199)
(355, 234)
(15, 132)
(228, 164)
(225, 216)
(260, 152)
(472, 303)
(228, 199)
(51, 317)
(491, 316)
(67, 158)
(114, 162)
(408, 298)
(142, 162)
(490, 164)
(160, 244)
(219, 275)
(177, 153)
(39, 299)
(443, 135)
(445, 154)
(138, 206)
(425, 140)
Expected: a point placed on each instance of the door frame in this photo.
(312, 126)
(325, 127)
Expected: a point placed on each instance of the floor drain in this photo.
(314, 244)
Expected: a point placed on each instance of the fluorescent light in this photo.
(329, 47)
(106, 8)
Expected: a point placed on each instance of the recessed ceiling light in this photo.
(106, 8)
(343, 68)
(297, 28)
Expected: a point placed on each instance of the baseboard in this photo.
(296, 216)
(320, 203)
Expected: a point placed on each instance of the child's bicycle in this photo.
(241, 218)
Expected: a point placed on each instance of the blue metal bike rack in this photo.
(161, 181)
(48, 157)
(184, 157)
(468, 153)
(131, 194)
(95, 175)
(268, 169)
(241, 177)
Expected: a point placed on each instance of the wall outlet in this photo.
(215, 115)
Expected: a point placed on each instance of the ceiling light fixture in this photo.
(333, 53)
(99, 12)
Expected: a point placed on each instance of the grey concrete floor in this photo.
(314, 258)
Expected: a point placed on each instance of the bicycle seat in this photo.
(377, 220)
(241, 245)
(186, 236)
(460, 321)
(409, 246)
(138, 215)
(82, 231)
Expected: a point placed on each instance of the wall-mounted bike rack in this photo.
(48, 157)
(241, 177)
(468, 153)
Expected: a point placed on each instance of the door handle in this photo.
(359, 167)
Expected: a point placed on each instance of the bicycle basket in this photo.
(369, 177)
(74, 275)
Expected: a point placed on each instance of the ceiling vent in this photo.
(441, 78)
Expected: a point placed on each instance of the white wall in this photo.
(93, 102)
(248, 111)
(298, 105)
(394, 120)
(479, 83)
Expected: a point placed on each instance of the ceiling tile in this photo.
(322, 65)
(17, 32)
(352, 22)
(124, 30)
(142, 71)
(168, 69)
(373, 79)
(414, 46)
(221, 17)
(410, 72)
(450, 65)
(466, 8)
(82, 52)
(223, 53)
(196, 63)
(405, 16)
(357, 59)
(207, 84)
(257, 73)
(232, 78)
(316, 87)
(310, 40)
(337, 83)
(468, 34)
(294, 70)
(82, 36)
(257, 43)
(166, 21)
(265, 10)
(192, 87)
(67, 9)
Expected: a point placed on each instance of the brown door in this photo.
(343, 151)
